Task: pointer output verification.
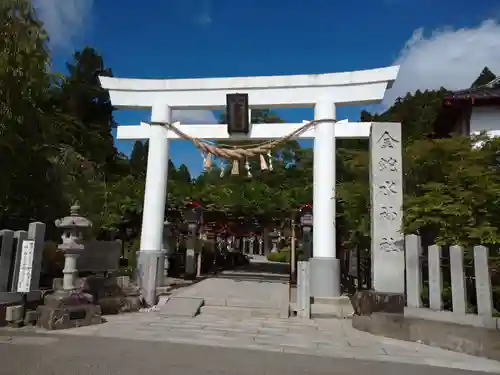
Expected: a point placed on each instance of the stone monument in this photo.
(70, 307)
(387, 241)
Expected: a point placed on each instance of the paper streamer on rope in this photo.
(239, 153)
(207, 161)
(247, 166)
(236, 167)
(222, 169)
(263, 164)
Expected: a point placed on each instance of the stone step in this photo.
(254, 303)
(181, 307)
(242, 312)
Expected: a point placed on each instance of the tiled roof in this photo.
(475, 93)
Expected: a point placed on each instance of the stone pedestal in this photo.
(70, 272)
(325, 277)
(68, 309)
(114, 294)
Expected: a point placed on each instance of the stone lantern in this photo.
(251, 244)
(71, 306)
(167, 250)
(261, 245)
(193, 215)
(73, 227)
(306, 224)
(274, 236)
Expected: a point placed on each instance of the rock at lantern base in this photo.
(68, 309)
(367, 302)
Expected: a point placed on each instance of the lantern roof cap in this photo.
(74, 220)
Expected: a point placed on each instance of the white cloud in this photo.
(67, 20)
(204, 18)
(450, 58)
(64, 20)
(194, 117)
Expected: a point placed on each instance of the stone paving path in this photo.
(237, 293)
(327, 338)
(260, 284)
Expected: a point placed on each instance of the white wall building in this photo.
(471, 111)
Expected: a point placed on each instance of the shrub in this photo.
(280, 256)
(284, 255)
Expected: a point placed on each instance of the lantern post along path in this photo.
(323, 92)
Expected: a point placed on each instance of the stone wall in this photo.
(461, 338)
(33, 300)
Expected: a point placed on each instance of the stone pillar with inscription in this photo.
(387, 239)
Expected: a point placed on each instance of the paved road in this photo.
(323, 338)
(34, 354)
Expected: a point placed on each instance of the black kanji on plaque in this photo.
(238, 121)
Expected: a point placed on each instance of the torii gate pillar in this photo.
(325, 267)
(151, 254)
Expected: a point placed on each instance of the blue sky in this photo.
(217, 38)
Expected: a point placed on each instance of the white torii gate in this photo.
(323, 92)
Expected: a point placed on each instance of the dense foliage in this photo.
(56, 146)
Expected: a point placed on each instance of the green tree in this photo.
(139, 159)
(484, 78)
(182, 175)
(452, 191)
(29, 123)
(89, 106)
(417, 113)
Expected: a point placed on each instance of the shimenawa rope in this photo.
(241, 151)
